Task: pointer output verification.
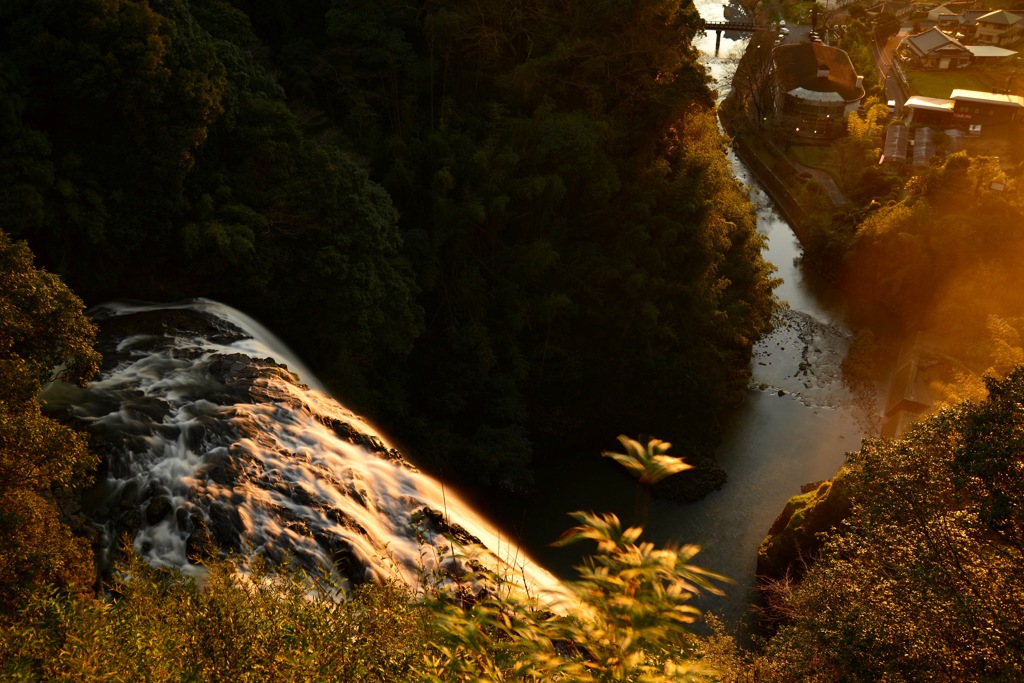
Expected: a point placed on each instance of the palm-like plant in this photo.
(650, 464)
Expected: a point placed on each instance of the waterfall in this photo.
(215, 436)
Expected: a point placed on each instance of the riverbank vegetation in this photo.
(483, 226)
(922, 579)
(43, 336)
(944, 259)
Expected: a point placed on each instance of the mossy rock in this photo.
(793, 540)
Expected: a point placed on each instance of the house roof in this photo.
(1000, 17)
(987, 97)
(929, 103)
(818, 68)
(967, 18)
(982, 51)
(817, 95)
(933, 41)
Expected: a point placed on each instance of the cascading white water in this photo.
(211, 439)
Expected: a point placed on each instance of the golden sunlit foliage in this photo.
(157, 625)
(869, 126)
(923, 581)
(627, 618)
(649, 464)
(43, 335)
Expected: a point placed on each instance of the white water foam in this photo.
(291, 473)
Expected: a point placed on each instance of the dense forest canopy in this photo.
(488, 225)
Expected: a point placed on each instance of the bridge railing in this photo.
(745, 26)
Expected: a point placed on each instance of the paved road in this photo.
(884, 58)
(827, 182)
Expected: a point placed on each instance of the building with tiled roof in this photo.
(935, 12)
(999, 27)
(963, 23)
(816, 87)
(934, 49)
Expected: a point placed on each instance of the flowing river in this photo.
(795, 426)
(798, 419)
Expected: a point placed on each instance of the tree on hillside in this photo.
(923, 582)
(43, 336)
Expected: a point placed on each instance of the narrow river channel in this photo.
(798, 420)
(795, 426)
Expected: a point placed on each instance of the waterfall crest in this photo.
(215, 436)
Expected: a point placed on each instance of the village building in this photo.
(961, 25)
(935, 13)
(967, 109)
(973, 108)
(816, 87)
(987, 54)
(999, 27)
(897, 143)
(924, 146)
(934, 49)
(928, 110)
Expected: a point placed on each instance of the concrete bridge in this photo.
(719, 26)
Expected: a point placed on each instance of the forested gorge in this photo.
(492, 226)
(502, 230)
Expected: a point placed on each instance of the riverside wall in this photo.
(787, 205)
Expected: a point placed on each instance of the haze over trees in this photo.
(946, 258)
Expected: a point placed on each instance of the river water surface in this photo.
(795, 426)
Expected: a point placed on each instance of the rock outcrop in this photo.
(793, 540)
